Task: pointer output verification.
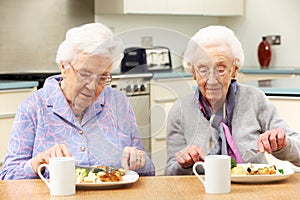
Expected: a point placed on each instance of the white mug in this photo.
(62, 176)
(217, 174)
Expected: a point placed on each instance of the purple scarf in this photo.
(225, 144)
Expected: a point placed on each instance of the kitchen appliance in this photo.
(137, 89)
(158, 59)
(143, 60)
(134, 60)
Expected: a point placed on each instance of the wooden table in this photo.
(158, 187)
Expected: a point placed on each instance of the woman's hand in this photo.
(133, 158)
(272, 140)
(189, 155)
(58, 150)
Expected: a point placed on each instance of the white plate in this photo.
(128, 178)
(262, 178)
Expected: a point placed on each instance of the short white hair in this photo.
(212, 35)
(93, 39)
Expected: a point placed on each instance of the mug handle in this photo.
(41, 175)
(195, 171)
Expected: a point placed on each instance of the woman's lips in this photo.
(86, 96)
(213, 89)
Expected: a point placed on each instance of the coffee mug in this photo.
(217, 174)
(62, 176)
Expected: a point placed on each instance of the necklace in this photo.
(79, 115)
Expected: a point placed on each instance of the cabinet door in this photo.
(188, 7)
(223, 7)
(5, 124)
(176, 7)
(140, 106)
(145, 6)
(288, 109)
(164, 93)
(243, 77)
(9, 101)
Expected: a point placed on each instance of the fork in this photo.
(94, 169)
(210, 144)
(251, 154)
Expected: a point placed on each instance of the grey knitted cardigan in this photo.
(253, 114)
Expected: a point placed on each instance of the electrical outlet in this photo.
(146, 41)
(274, 39)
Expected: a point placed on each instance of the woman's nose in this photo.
(212, 78)
(92, 84)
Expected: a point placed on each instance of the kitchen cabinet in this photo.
(284, 93)
(9, 101)
(175, 7)
(252, 77)
(251, 74)
(288, 109)
(163, 93)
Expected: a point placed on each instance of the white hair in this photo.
(212, 35)
(93, 39)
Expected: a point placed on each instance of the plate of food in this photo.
(99, 177)
(259, 173)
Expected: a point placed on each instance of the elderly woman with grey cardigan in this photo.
(223, 116)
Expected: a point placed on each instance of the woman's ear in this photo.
(63, 70)
(235, 71)
(194, 73)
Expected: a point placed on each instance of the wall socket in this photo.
(274, 39)
(146, 41)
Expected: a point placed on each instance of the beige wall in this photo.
(31, 30)
(171, 31)
(262, 17)
(267, 17)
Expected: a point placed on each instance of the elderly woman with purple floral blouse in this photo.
(76, 114)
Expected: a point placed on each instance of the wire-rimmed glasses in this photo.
(86, 77)
(218, 71)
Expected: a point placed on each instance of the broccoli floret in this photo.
(233, 163)
(80, 174)
(281, 171)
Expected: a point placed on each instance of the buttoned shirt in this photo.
(45, 119)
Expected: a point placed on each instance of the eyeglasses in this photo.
(218, 71)
(86, 77)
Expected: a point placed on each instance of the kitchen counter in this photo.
(278, 87)
(31, 77)
(174, 74)
(277, 71)
(9, 84)
(156, 75)
(282, 70)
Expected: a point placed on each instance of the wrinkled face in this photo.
(213, 74)
(84, 80)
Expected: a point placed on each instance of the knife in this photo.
(96, 169)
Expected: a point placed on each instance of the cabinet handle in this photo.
(160, 138)
(7, 116)
(163, 100)
(283, 98)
